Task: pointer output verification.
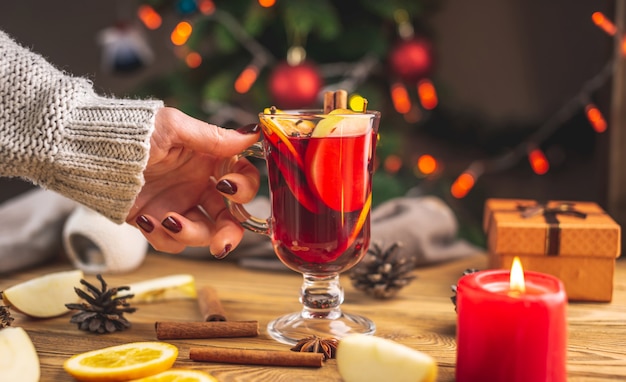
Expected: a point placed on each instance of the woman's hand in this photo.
(179, 204)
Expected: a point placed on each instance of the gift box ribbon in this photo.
(553, 235)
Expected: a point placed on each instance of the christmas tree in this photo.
(238, 57)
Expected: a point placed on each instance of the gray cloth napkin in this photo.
(31, 228)
(32, 224)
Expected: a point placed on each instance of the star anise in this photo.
(5, 315)
(315, 344)
(104, 311)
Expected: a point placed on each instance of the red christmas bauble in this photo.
(296, 86)
(412, 59)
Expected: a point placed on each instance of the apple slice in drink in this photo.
(338, 164)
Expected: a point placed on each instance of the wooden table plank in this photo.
(421, 316)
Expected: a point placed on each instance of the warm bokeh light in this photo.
(149, 17)
(624, 46)
(206, 7)
(426, 164)
(538, 161)
(462, 185)
(246, 79)
(604, 23)
(193, 60)
(267, 3)
(516, 279)
(392, 164)
(181, 33)
(414, 115)
(595, 118)
(400, 98)
(427, 94)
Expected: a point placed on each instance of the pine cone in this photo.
(453, 287)
(103, 312)
(383, 272)
(5, 316)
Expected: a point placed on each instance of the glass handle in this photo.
(249, 222)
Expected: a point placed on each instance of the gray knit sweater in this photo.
(56, 132)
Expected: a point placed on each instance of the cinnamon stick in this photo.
(329, 102)
(335, 100)
(210, 305)
(341, 99)
(256, 357)
(213, 329)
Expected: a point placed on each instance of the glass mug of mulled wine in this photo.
(320, 169)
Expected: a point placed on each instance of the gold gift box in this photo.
(577, 242)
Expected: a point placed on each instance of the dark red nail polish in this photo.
(172, 224)
(145, 224)
(224, 252)
(252, 128)
(226, 186)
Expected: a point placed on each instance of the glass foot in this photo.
(291, 328)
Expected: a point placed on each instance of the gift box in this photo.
(577, 242)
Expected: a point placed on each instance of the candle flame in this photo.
(517, 276)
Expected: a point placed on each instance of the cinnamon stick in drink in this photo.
(210, 305)
(213, 329)
(341, 99)
(329, 102)
(256, 357)
(335, 100)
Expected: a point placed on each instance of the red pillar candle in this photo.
(508, 334)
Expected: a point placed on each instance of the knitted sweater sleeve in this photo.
(58, 133)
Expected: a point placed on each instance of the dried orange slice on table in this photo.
(179, 375)
(122, 362)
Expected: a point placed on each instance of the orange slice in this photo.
(274, 129)
(179, 375)
(123, 362)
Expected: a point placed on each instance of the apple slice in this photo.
(182, 286)
(44, 296)
(337, 124)
(338, 170)
(363, 358)
(19, 360)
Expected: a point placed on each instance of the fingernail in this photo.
(224, 252)
(252, 128)
(172, 224)
(226, 186)
(144, 223)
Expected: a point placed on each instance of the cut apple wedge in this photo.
(364, 358)
(337, 124)
(181, 286)
(19, 360)
(338, 170)
(44, 296)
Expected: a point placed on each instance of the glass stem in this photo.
(321, 296)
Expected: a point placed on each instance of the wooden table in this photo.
(421, 316)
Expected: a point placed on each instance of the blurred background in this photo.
(488, 98)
